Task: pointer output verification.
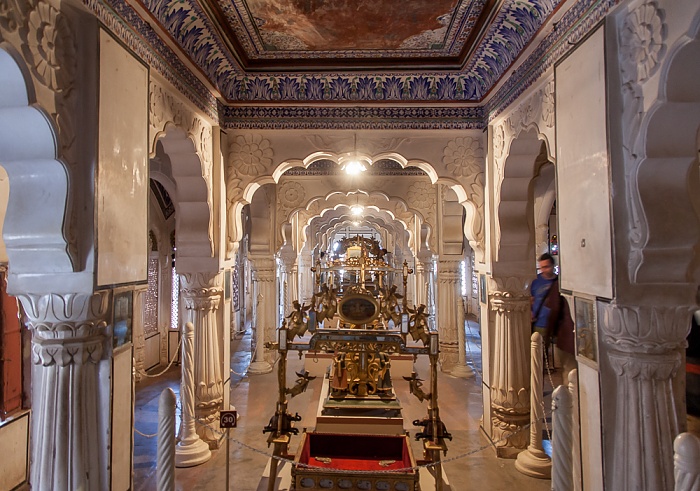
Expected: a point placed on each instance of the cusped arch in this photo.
(36, 211)
(667, 177)
(193, 211)
(396, 209)
(514, 222)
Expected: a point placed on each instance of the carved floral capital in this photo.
(645, 329)
(67, 328)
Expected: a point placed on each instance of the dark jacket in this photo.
(560, 324)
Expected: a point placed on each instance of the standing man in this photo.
(538, 293)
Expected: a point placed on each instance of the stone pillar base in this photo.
(259, 368)
(192, 454)
(534, 462)
(462, 371)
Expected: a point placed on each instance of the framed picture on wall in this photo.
(227, 284)
(586, 330)
(122, 318)
(482, 288)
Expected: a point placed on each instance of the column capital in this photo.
(202, 291)
(67, 328)
(515, 285)
(507, 302)
(644, 328)
(658, 367)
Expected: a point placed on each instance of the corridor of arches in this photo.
(153, 179)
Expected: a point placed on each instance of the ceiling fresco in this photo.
(309, 50)
(279, 29)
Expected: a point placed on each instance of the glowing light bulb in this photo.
(356, 210)
(354, 167)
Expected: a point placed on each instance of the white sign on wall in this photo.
(583, 182)
(122, 169)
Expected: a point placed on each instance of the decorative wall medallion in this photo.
(290, 195)
(50, 47)
(251, 155)
(422, 195)
(642, 42)
(461, 156)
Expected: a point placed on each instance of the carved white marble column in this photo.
(137, 332)
(191, 450)
(510, 381)
(306, 278)
(69, 424)
(644, 351)
(421, 273)
(450, 312)
(202, 294)
(265, 312)
(289, 280)
(533, 461)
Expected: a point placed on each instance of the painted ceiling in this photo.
(353, 51)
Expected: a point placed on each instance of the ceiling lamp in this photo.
(357, 210)
(355, 223)
(354, 167)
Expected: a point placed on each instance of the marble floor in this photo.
(470, 460)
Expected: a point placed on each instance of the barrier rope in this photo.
(143, 373)
(344, 471)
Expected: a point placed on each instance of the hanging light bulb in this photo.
(354, 167)
(357, 210)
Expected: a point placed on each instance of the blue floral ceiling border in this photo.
(133, 31)
(570, 30)
(124, 22)
(510, 32)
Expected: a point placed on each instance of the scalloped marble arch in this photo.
(528, 149)
(185, 183)
(340, 158)
(36, 212)
(400, 211)
(667, 175)
(378, 223)
(473, 227)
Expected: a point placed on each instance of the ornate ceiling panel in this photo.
(350, 50)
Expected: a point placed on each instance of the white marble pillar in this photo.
(432, 293)
(686, 461)
(534, 461)
(69, 423)
(562, 465)
(190, 450)
(510, 380)
(306, 277)
(421, 274)
(165, 450)
(450, 312)
(202, 293)
(644, 346)
(265, 312)
(289, 282)
(138, 333)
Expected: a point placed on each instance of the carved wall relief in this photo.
(464, 159)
